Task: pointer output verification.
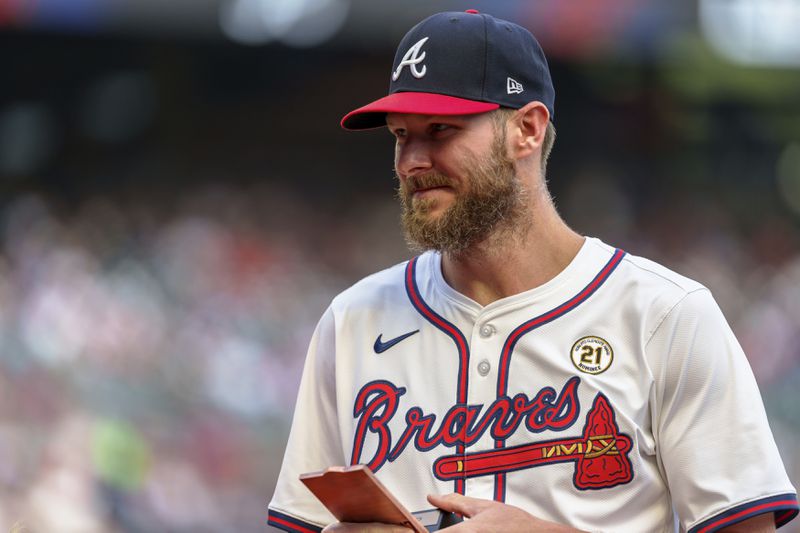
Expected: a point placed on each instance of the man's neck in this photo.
(511, 262)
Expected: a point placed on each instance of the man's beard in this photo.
(494, 202)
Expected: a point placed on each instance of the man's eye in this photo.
(440, 127)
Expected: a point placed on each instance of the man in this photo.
(517, 373)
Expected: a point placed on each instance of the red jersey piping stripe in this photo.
(291, 524)
(414, 295)
(530, 325)
(787, 503)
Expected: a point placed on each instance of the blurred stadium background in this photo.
(179, 206)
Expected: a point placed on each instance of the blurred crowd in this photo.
(149, 361)
(149, 357)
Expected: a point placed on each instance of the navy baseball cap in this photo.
(461, 64)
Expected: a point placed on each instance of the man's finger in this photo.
(458, 503)
(367, 527)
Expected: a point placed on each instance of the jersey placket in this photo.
(486, 341)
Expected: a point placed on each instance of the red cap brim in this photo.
(374, 115)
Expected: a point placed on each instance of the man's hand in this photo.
(484, 515)
(491, 516)
(488, 515)
(371, 527)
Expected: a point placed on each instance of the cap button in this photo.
(472, 11)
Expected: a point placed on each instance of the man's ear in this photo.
(528, 126)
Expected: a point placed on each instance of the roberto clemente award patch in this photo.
(592, 355)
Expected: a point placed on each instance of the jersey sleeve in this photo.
(314, 441)
(715, 446)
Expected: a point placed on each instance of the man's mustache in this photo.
(413, 184)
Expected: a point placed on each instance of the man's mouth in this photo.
(425, 192)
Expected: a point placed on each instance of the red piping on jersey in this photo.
(530, 325)
(786, 502)
(293, 525)
(458, 338)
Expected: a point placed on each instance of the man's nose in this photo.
(412, 158)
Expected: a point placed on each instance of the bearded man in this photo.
(517, 373)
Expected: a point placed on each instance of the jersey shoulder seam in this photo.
(636, 261)
(671, 309)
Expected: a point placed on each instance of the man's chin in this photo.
(429, 210)
(429, 217)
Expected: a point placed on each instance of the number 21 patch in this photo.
(592, 355)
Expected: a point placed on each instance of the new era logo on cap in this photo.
(513, 86)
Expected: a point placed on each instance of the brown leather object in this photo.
(354, 494)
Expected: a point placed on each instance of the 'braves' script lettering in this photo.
(377, 402)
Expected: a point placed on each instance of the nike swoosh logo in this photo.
(381, 346)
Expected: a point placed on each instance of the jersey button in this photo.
(487, 330)
(484, 367)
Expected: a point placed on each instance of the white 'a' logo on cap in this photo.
(412, 59)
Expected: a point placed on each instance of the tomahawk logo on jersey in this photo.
(607, 399)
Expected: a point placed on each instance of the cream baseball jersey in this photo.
(612, 398)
